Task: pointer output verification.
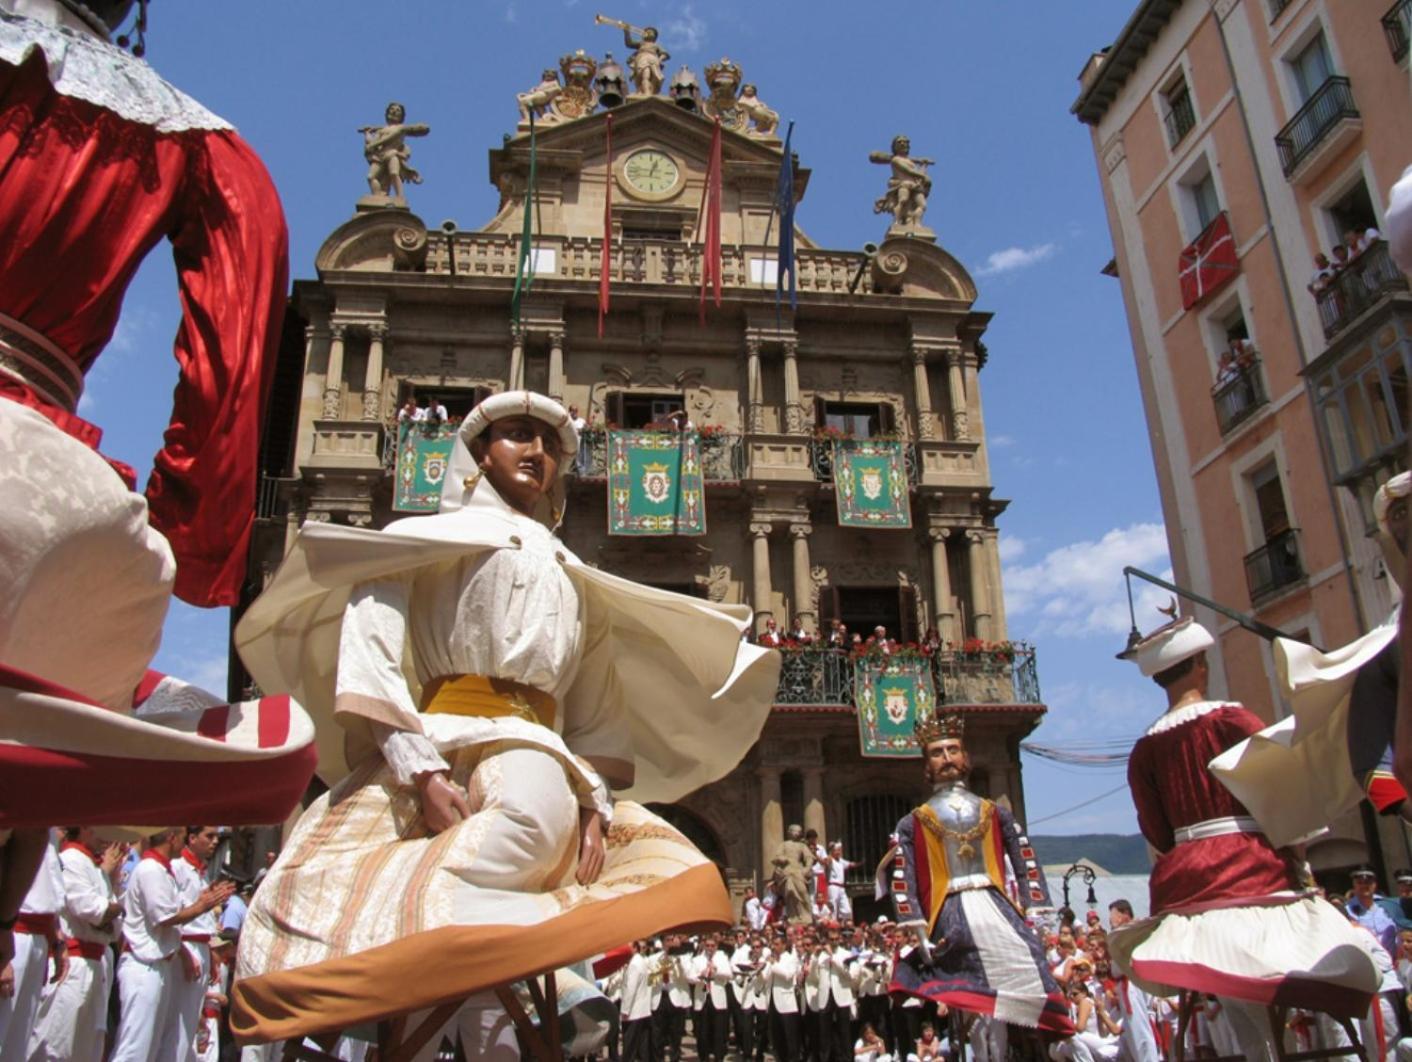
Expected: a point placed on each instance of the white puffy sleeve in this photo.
(595, 726)
(371, 682)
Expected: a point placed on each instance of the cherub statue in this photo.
(907, 187)
(540, 97)
(384, 146)
(647, 59)
(764, 120)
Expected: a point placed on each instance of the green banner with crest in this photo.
(423, 456)
(891, 694)
(655, 484)
(870, 481)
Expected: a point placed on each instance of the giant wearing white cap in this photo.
(1168, 646)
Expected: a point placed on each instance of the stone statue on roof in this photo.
(907, 188)
(648, 58)
(385, 148)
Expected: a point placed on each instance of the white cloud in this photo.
(511, 15)
(1078, 590)
(1013, 258)
(1011, 547)
(1000, 442)
(686, 33)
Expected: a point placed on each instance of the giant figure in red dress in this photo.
(100, 159)
(1230, 916)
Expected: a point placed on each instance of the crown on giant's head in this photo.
(939, 727)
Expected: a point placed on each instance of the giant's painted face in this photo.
(520, 456)
(946, 760)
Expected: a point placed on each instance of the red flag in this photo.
(711, 210)
(1209, 262)
(605, 265)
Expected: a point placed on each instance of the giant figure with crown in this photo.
(947, 878)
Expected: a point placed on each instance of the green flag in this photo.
(655, 484)
(870, 481)
(524, 268)
(423, 457)
(891, 694)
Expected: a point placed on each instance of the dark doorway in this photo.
(862, 608)
(695, 830)
(861, 420)
(641, 409)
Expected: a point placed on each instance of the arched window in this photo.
(870, 822)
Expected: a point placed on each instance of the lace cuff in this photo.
(406, 753)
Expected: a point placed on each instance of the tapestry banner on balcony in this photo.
(655, 483)
(423, 456)
(870, 480)
(891, 694)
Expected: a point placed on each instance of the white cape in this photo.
(1295, 776)
(695, 695)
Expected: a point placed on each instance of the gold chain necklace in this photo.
(963, 838)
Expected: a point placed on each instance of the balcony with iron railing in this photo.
(1316, 128)
(1239, 392)
(1397, 26)
(1274, 567)
(813, 676)
(1180, 118)
(821, 460)
(1361, 283)
(723, 456)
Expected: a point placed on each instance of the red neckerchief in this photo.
(152, 853)
(67, 845)
(194, 860)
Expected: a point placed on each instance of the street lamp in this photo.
(1086, 872)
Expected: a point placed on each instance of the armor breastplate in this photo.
(960, 812)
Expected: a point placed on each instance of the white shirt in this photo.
(637, 993)
(151, 900)
(830, 979)
(46, 892)
(755, 913)
(838, 870)
(88, 893)
(780, 974)
(190, 884)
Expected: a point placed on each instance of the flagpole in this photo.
(523, 270)
(606, 260)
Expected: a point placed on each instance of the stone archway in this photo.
(696, 829)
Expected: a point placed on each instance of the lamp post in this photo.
(1086, 872)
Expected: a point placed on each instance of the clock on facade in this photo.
(650, 174)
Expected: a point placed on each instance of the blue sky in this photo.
(984, 88)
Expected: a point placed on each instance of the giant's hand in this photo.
(591, 848)
(443, 803)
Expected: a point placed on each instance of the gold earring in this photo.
(470, 481)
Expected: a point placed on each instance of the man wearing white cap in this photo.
(479, 692)
(1338, 739)
(1229, 915)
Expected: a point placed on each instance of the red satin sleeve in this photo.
(231, 251)
(1147, 799)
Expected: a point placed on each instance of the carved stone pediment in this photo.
(387, 240)
(920, 269)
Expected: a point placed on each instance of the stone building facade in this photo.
(884, 341)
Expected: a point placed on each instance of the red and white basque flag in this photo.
(1209, 262)
(180, 756)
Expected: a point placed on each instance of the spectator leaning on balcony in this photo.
(770, 636)
(1226, 369)
(410, 413)
(799, 634)
(1341, 259)
(1323, 274)
(1358, 242)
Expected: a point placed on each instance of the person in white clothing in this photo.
(780, 972)
(710, 975)
(1139, 1036)
(36, 941)
(836, 867)
(753, 911)
(676, 1000)
(153, 915)
(828, 992)
(73, 1017)
(636, 1007)
(870, 1047)
(189, 982)
(757, 998)
(742, 1018)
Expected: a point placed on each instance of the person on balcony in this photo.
(770, 637)
(1226, 370)
(1230, 913)
(411, 413)
(1323, 274)
(1359, 242)
(800, 634)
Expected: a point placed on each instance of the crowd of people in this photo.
(123, 951)
(838, 636)
(1340, 259)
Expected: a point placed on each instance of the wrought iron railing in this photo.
(1331, 103)
(723, 456)
(397, 432)
(1239, 394)
(1273, 566)
(1180, 118)
(1362, 282)
(271, 500)
(1397, 25)
(821, 460)
(1004, 674)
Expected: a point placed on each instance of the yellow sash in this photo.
(488, 698)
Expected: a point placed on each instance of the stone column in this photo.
(942, 607)
(761, 593)
(980, 584)
(960, 419)
(515, 380)
(372, 380)
(333, 375)
(923, 396)
(999, 626)
(771, 817)
(814, 803)
(793, 408)
(556, 366)
(803, 584)
(754, 414)
(971, 368)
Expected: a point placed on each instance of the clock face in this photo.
(651, 172)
